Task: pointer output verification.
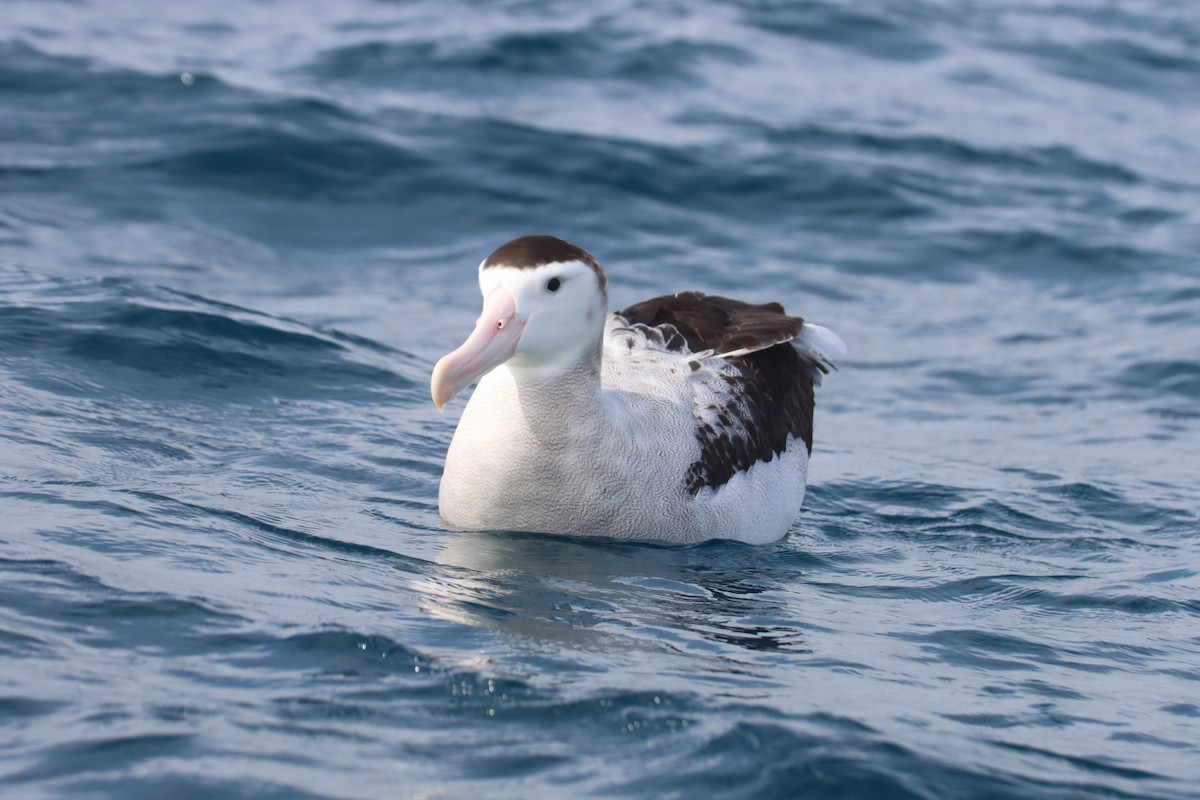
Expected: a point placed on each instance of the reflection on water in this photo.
(601, 596)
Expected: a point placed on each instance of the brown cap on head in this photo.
(528, 252)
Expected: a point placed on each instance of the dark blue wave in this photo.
(593, 54)
(110, 328)
(337, 173)
(899, 34)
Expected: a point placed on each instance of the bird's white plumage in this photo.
(597, 444)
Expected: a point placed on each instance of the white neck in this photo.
(552, 393)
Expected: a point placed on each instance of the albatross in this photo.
(680, 419)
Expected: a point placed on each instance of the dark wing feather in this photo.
(717, 323)
(771, 384)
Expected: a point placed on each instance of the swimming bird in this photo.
(679, 419)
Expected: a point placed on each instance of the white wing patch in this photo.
(822, 347)
(655, 360)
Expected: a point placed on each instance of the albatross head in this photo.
(544, 301)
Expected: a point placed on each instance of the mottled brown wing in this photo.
(770, 397)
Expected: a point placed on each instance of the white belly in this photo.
(614, 470)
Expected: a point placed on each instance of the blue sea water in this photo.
(235, 236)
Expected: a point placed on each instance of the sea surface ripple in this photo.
(235, 237)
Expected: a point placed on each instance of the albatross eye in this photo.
(553, 285)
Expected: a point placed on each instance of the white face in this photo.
(541, 320)
(561, 306)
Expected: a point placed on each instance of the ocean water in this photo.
(235, 236)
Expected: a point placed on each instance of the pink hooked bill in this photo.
(493, 342)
